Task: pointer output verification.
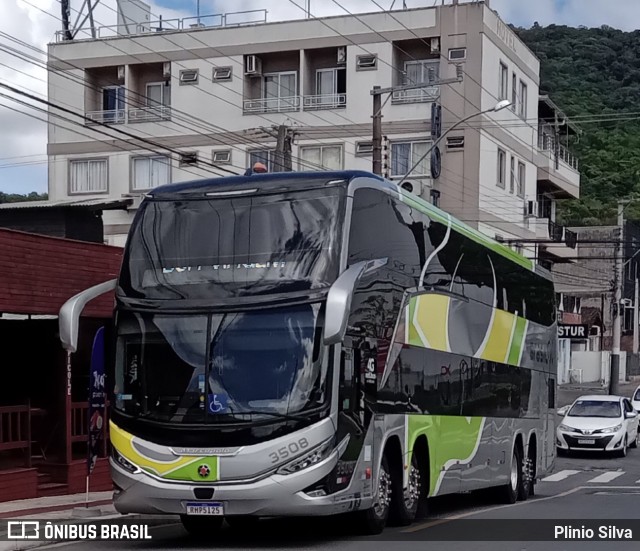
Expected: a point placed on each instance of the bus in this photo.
(319, 343)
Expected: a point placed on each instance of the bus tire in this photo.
(509, 492)
(201, 527)
(404, 505)
(373, 520)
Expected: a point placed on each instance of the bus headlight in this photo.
(311, 458)
(123, 462)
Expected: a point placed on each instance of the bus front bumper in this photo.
(274, 495)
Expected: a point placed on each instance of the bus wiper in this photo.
(288, 416)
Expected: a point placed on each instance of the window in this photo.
(455, 142)
(364, 149)
(522, 175)
(280, 91)
(150, 172)
(88, 176)
(222, 73)
(514, 92)
(512, 175)
(329, 157)
(522, 111)
(435, 197)
(416, 72)
(113, 104)
(502, 168)
(189, 76)
(331, 87)
(504, 82)
(366, 62)
(405, 154)
(222, 157)
(157, 94)
(189, 159)
(457, 54)
(265, 156)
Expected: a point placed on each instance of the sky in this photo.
(23, 138)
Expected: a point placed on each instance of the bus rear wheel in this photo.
(510, 491)
(405, 502)
(201, 527)
(373, 520)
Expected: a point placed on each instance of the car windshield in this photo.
(595, 408)
(637, 396)
(233, 247)
(210, 368)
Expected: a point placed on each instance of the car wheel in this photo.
(635, 443)
(201, 527)
(373, 520)
(622, 452)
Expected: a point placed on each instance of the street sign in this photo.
(573, 331)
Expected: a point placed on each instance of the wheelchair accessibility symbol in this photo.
(218, 403)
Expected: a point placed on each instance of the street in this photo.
(581, 487)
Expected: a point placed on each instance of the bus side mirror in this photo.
(339, 299)
(69, 318)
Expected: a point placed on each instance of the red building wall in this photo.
(39, 273)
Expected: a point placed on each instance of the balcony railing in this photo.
(325, 101)
(149, 114)
(547, 143)
(113, 116)
(272, 105)
(561, 234)
(420, 95)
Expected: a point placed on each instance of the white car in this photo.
(635, 401)
(600, 423)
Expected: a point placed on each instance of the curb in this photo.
(19, 513)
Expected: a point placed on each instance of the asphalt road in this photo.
(582, 487)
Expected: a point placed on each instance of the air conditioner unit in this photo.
(120, 72)
(435, 45)
(413, 186)
(252, 65)
(342, 55)
(166, 69)
(530, 209)
(627, 302)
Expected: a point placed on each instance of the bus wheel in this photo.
(372, 521)
(405, 502)
(509, 492)
(201, 527)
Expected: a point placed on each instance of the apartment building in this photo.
(185, 100)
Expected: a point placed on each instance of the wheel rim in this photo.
(514, 473)
(412, 493)
(384, 493)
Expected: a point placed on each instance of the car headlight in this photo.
(609, 430)
(566, 427)
(307, 460)
(123, 462)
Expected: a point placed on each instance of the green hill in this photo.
(594, 74)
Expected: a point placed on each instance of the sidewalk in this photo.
(568, 392)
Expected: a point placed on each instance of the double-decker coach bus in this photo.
(321, 343)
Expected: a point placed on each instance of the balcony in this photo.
(149, 114)
(421, 95)
(325, 101)
(557, 241)
(272, 105)
(110, 116)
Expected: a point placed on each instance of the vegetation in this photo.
(17, 198)
(595, 73)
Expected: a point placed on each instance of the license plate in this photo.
(206, 508)
(587, 441)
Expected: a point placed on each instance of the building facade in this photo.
(196, 101)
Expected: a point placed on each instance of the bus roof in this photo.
(289, 181)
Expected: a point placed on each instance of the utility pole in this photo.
(377, 131)
(636, 320)
(614, 374)
(64, 7)
(282, 161)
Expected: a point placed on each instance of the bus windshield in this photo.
(232, 247)
(260, 362)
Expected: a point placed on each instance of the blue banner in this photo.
(97, 399)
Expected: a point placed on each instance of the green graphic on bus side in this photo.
(451, 439)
